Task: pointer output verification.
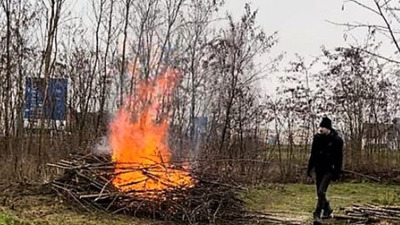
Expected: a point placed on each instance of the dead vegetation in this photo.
(371, 214)
(87, 182)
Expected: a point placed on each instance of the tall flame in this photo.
(138, 136)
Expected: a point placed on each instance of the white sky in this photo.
(303, 27)
(302, 24)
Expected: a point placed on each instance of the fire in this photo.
(138, 137)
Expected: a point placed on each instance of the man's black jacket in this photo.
(326, 154)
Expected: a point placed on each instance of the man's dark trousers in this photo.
(323, 180)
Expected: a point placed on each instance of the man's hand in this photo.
(336, 176)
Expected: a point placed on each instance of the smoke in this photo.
(197, 140)
(102, 147)
(200, 128)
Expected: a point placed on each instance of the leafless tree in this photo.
(387, 22)
(232, 56)
(356, 90)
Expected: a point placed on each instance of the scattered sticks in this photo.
(87, 181)
(370, 214)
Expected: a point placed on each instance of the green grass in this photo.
(294, 200)
(7, 219)
(68, 217)
(301, 198)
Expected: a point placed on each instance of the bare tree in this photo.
(355, 90)
(387, 23)
(103, 84)
(127, 5)
(130, 40)
(6, 5)
(53, 15)
(232, 56)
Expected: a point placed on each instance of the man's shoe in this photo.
(327, 211)
(317, 214)
(317, 221)
(317, 217)
(327, 214)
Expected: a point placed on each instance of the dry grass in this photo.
(300, 199)
(35, 205)
(31, 205)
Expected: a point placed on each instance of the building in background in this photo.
(382, 135)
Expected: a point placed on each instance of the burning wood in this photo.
(138, 136)
(88, 181)
(138, 177)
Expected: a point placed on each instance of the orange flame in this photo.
(138, 137)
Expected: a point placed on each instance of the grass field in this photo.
(293, 200)
(300, 199)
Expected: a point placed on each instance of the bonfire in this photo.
(138, 137)
(138, 177)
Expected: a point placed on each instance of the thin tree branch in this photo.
(352, 26)
(381, 57)
(364, 6)
(385, 3)
(388, 25)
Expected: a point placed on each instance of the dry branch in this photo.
(87, 180)
(370, 214)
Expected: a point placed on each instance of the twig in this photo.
(362, 175)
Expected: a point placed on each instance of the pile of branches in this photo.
(87, 180)
(371, 214)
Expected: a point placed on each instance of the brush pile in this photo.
(87, 181)
(371, 214)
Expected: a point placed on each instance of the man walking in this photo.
(326, 158)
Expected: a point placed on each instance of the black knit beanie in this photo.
(326, 122)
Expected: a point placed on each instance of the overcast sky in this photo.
(303, 26)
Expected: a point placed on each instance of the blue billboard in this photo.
(200, 125)
(56, 103)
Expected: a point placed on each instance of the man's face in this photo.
(323, 130)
